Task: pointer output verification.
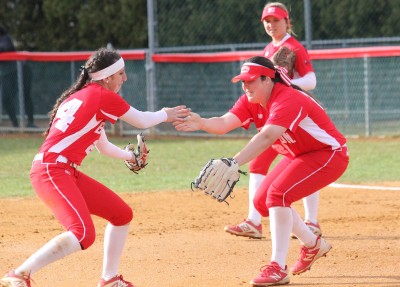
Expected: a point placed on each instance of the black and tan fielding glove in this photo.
(139, 154)
(218, 178)
(285, 58)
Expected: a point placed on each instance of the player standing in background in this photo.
(77, 127)
(276, 21)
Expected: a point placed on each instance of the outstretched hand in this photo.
(191, 123)
(177, 114)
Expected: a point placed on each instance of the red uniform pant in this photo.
(73, 197)
(261, 164)
(292, 179)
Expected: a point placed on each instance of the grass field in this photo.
(174, 163)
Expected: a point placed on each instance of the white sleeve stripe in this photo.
(296, 119)
(109, 115)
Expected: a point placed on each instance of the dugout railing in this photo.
(359, 87)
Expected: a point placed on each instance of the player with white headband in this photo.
(76, 128)
(106, 72)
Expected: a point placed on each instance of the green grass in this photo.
(174, 163)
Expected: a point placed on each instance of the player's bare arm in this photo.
(216, 125)
(260, 142)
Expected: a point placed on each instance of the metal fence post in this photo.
(150, 67)
(307, 24)
(20, 77)
(366, 99)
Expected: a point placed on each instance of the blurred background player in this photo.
(9, 83)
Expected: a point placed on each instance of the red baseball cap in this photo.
(274, 11)
(252, 71)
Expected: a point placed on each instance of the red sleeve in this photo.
(303, 63)
(240, 109)
(112, 106)
(287, 108)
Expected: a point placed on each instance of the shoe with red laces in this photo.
(271, 274)
(246, 229)
(13, 280)
(314, 227)
(309, 255)
(117, 281)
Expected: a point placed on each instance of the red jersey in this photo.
(249, 113)
(302, 65)
(80, 120)
(309, 128)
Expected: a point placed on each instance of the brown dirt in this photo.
(177, 240)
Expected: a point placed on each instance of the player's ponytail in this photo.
(279, 78)
(100, 60)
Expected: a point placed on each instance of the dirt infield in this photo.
(177, 240)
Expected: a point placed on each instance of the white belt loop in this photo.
(60, 158)
(39, 156)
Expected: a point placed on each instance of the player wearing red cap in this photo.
(314, 155)
(277, 25)
(76, 128)
(293, 124)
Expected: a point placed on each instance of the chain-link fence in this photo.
(360, 94)
(192, 25)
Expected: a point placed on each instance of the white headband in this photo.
(110, 70)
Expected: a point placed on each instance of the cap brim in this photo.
(276, 15)
(244, 77)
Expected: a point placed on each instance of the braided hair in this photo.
(100, 60)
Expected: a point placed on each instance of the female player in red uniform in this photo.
(314, 155)
(77, 127)
(277, 25)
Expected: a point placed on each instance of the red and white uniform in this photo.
(315, 152)
(261, 164)
(71, 195)
(254, 113)
(303, 63)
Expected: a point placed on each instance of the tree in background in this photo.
(75, 25)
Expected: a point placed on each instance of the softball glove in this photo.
(286, 58)
(139, 155)
(218, 178)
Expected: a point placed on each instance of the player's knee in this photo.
(277, 197)
(123, 217)
(258, 169)
(260, 206)
(85, 234)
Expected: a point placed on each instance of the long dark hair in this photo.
(278, 79)
(100, 60)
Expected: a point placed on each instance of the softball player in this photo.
(314, 155)
(77, 127)
(276, 21)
